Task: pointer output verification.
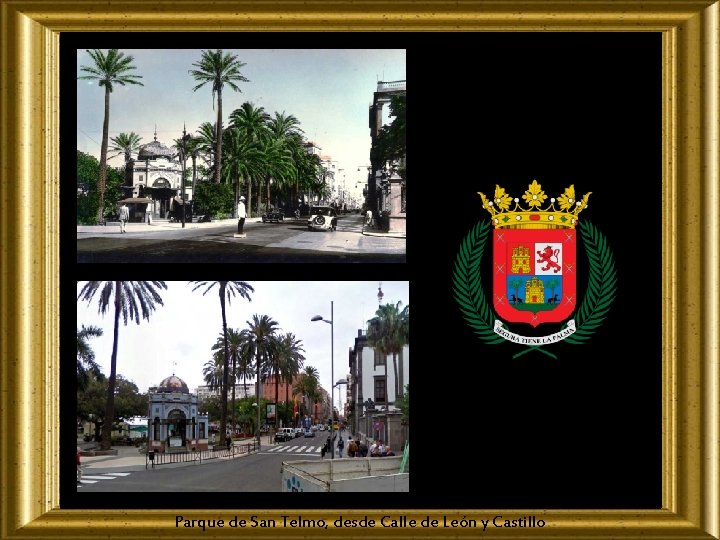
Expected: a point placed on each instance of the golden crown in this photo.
(534, 217)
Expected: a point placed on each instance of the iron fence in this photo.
(153, 458)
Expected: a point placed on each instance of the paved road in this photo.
(289, 241)
(259, 472)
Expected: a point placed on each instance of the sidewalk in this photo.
(113, 227)
(130, 458)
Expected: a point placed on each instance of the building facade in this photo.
(174, 422)
(371, 392)
(156, 175)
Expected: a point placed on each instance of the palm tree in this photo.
(552, 284)
(252, 124)
(235, 346)
(85, 355)
(126, 144)
(285, 129)
(307, 385)
(388, 333)
(213, 371)
(194, 147)
(226, 289)
(134, 300)
(108, 70)
(515, 284)
(243, 159)
(219, 69)
(287, 362)
(261, 329)
(207, 143)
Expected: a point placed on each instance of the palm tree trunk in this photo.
(249, 198)
(110, 403)
(103, 158)
(223, 409)
(259, 191)
(218, 144)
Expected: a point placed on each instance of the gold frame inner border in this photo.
(29, 255)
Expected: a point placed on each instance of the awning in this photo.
(137, 200)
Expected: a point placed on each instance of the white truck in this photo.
(346, 474)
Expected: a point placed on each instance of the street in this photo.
(288, 241)
(260, 472)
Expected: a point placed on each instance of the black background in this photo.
(582, 431)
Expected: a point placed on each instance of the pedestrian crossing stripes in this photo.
(95, 478)
(296, 449)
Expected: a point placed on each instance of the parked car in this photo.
(309, 432)
(273, 215)
(323, 218)
(299, 432)
(284, 434)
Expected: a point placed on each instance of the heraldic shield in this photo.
(534, 255)
(534, 275)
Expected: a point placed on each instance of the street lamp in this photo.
(183, 157)
(332, 373)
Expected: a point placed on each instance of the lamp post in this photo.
(183, 157)
(332, 373)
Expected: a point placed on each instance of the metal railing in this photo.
(163, 458)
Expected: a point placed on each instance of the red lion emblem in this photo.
(546, 256)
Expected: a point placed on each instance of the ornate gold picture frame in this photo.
(29, 258)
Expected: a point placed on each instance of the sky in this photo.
(188, 324)
(327, 90)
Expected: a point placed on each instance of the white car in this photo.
(323, 218)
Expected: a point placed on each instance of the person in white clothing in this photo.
(241, 214)
(124, 217)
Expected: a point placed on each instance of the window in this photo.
(156, 429)
(379, 358)
(202, 430)
(380, 390)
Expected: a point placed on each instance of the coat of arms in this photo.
(534, 270)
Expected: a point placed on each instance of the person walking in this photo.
(340, 446)
(124, 217)
(241, 214)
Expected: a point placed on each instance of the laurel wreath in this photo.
(601, 289)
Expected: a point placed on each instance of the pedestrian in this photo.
(241, 214)
(228, 442)
(388, 451)
(375, 448)
(363, 449)
(77, 461)
(352, 448)
(124, 216)
(340, 446)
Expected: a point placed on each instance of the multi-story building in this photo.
(371, 392)
(241, 391)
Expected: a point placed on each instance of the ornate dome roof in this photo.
(173, 384)
(153, 150)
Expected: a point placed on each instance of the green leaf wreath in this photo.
(601, 289)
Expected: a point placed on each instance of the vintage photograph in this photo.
(241, 155)
(254, 396)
